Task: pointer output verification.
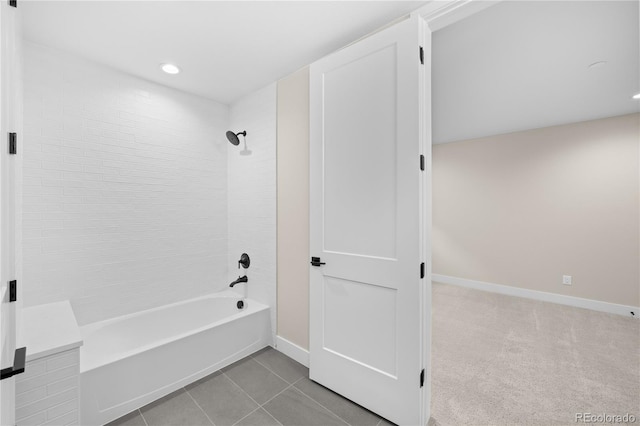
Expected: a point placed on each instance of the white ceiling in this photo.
(525, 64)
(226, 49)
(514, 66)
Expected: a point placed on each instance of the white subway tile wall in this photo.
(47, 392)
(252, 195)
(125, 190)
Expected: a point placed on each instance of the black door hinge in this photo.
(13, 291)
(421, 162)
(13, 3)
(13, 143)
(422, 270)
(421, 55)
(422, 378)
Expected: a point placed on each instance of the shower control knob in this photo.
(244, 261)
(315, 261)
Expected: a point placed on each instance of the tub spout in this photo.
(243, 279)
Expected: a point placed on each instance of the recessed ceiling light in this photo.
(597, 64)
(170, 68)
(636, 96)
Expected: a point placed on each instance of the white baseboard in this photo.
(292, 350)
(561, 299)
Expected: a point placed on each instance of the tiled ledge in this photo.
(49, 329)
(48, 391)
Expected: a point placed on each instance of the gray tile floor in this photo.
(266, 388)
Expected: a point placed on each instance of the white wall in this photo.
(252, 195)
(125, 189)
(525, 208)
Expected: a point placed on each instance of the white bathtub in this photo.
(129, 361)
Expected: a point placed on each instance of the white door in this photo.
(9, 118)
(366, 218)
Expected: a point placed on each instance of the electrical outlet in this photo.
(566, 279)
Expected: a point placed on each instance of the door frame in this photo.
(433, 16)
(11, 186)
(442, 13)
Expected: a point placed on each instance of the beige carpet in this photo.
(502, 360)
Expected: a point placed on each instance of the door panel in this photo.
(359, 203)
(365, 223)
(371, 311)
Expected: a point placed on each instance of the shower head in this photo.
(233, 137)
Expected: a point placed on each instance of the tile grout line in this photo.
(239, 387)
(298, 389)
(267, 401)
(276, 374)
(254, 410)
(326, 408)
(276, 395)
(143, 419)
(198, 405)
(289, 384)
(271, 399)
(271, 415)
(250, 397)
(259, 405)
(258, 408)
